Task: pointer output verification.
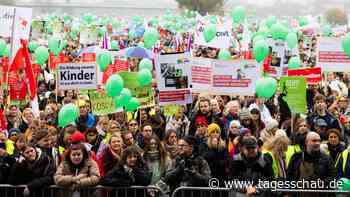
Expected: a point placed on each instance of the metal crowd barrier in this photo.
(98, 191)
(226, 192)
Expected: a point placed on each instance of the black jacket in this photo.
(35, 175)
(120, 177)
(323, 168)
(193, 171)
(259, 169)
(218, 161)
(6, 163)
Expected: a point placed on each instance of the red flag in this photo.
(28, 70)
(5, 65)
(17, 62)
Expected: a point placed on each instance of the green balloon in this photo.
(150, 37)
(115, 24)
(224, 54)
(209, 32)
(131, 34)
(132, 105)
(41, 55)
(271, 20)
(278, 31)
(101, 31)
(88, 18)
(68, 114)
(238, 14)
(265, 87)
(346, 44)
(2, 46)
(124, 98)
(302, 21)
(294, 63)
(117, 102)
(146, 63)
(55, 45)
(257, 38)
(6, 52)
(292, 40)
(114, 45)
(114, 85)
(103, 59)
(144, 77)
(345, 186)
(32, 46)
(260, 50)
(327, 30)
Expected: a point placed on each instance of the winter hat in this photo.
(77, 137)
(201, 120)
(236, 122)
(271, 124)
(243, 114)
(244, 131)
(14, 131)
(213, 127)
(249, 142)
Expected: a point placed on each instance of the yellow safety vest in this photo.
(292, 149)
(10, 147)
(274, 162)
(344, 155)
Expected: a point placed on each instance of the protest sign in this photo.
(101, 103)
(201, 74)
(312, 75)
(6, 20)
(118, 66)
(80, 76)
(294, 89)
(223, 34)
(173, 78)
(331, 56)
(144, 94)
(235, 77)
(170, 110)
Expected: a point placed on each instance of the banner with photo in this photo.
(331, 56)
(144, 94)
(235, 77)
(174, 78)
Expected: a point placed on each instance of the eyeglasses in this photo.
(133, 124)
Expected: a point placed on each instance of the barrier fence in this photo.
(139, 191)
(98, 191)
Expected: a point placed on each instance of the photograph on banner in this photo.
(294, 89)
(331, 56)
(201, 70)
(174, 78)
(144, 94)
(76, 76)
(222, 39)
(235, 77)
(276, 58)
(101, 103)
(312, 75)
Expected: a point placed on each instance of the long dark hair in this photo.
(78, 146)
(162, 152)
(132, 151)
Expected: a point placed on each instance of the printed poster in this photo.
(101, 103)
(235, 77)
(331, 56)
(174, 78)
(201, 70)
(6, 21)
(295, 90)
(76, 76)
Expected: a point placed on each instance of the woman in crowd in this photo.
(35, 170)
(256, 117)
(179, 122)
(111, 156)
(133, 127)
(77, 170)
(233, 137)
(131, 171)
(170, 143)
(334, 145)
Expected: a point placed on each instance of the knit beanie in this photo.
(213, 127)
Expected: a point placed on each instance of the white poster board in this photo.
(201, 71)
(330, 56)
(173, 78)
(235, 77)
(77, 76)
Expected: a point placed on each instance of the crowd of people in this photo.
(216, 136)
